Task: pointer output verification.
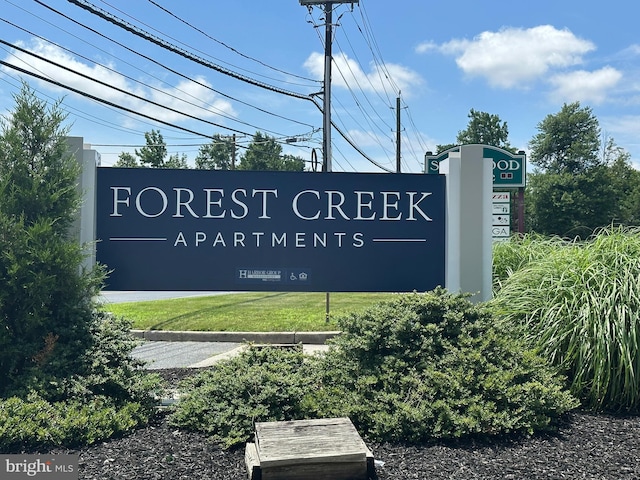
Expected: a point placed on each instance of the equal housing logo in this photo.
(49, 467)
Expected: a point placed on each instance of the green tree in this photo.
(45, 297)
(176, 161)
(445, 146)
(625, 181)
(487, 129)
(570, 205)
(216, 155)
(126, 160)
(567, 142)
(483, 128)
(154, 153)
(264, 153)
(578, 187)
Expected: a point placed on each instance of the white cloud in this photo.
(347, 73)
(583, 86)
(623, 125)
(515, 57)
(174, 97)
(631, 51)
(426, 47)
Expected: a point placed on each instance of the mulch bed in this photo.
(586, 446)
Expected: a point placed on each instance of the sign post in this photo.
(469, 245)
(509, 172)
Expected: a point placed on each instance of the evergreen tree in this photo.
(46, 301)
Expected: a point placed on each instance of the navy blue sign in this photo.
(162, 229)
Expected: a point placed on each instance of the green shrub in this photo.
(105, 369)
(420, 367)
(434, 365)
(110, 394)
(579, 305)
(261, 384)
(65, 371)
(38, 424)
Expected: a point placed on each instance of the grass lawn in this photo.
(249, 312)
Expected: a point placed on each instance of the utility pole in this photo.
(328, 40)
(326, 114)
(233, 153)
(326, 102)
(398, 136)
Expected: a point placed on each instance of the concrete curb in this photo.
(311, 338)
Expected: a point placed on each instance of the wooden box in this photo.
(323, 449)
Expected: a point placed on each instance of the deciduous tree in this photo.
(264, 153)
(153, 154)
(486, 129)
(567, 142)
(216, 155)
(126, 160)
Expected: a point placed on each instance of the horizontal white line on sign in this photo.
(399, 239)
(137, 239)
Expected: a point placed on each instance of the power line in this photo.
(183, 53)
(101, 100)
(165, 67)
(166, 10)
(138, 97)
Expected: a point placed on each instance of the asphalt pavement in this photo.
(159, 355)
(169, 349)
(134, 296)
(163, 354)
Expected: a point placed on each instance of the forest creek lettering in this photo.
(240, 203)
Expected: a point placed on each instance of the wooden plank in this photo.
(317, 471)
(252, 461)
(309, 441)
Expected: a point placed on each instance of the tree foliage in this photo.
(45, 296)
(216, 155)
(153, 154)
(570, 205)
(34, 183)
(126, 160)
(177, 160)
(483, 128)
(486, 129)
(578, 187)
(567, 142)
(264, 153)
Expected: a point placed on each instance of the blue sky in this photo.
(264, 60)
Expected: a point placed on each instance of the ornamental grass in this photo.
(579, 303)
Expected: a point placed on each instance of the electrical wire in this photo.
(166, 10)
(165, 67)
(101, 100)
(105, 84)
(179, 51)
